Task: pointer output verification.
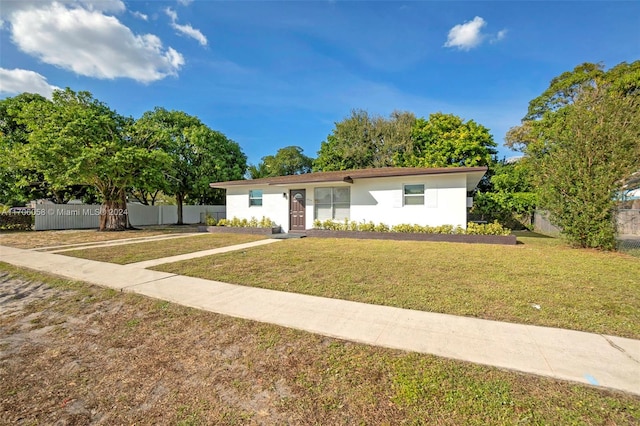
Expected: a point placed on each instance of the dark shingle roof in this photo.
(348, 175)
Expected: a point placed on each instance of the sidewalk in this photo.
(607, 361)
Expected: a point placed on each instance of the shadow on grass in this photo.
(530, 234)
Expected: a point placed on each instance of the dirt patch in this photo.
(75, 354)
(86, 357)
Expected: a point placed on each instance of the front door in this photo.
(297, 202)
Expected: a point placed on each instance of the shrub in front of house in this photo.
(210, 220)
(234, 222)
(472, 228)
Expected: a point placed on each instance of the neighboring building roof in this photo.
(350, 175)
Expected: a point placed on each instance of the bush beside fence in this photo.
(16, 222)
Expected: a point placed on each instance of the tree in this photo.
(445, 140)
(216, 158)
(75, 139)
(581, 136)
(622, 80)
(18, 184)
(198, 156)
(510, 197)
(364, 141)
(593, 149)
(287, 161)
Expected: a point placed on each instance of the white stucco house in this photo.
(423, 196)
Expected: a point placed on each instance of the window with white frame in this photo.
(255, 197)
(332, 203)
(413, 195)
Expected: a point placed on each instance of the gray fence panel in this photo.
(84, 216)
(140, 215)
(543, 225)
(629, 222)
(66, 216)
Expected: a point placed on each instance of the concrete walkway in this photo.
(607, 361)
(155, 262)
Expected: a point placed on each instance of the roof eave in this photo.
(349, 176)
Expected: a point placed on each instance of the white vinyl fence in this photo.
(85, 216)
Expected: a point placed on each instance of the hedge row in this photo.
(265, 222)
(16, 222)
(472, 228)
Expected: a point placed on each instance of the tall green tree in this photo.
(75, 139)
(445, 140)
(593, 149)
(287, 161)
(530, 136)
(581, 136)
(19, 184)
(198, 156)
(363, 141)
(510, 197)
(216, 158)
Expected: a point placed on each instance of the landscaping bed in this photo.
(235, 230)
(400, 236)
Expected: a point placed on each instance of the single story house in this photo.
(391, 195)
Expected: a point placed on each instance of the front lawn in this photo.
(130, 253)
(39, 239)
(540, 282)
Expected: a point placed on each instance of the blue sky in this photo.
(274, 74)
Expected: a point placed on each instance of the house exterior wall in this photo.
(379, 200)
(274, 205)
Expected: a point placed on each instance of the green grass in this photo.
(184, 366)
(131, 253)
(39, 239)
(576, 289)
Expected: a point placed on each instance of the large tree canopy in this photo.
(19, 183)
(363, 141)
(623, 80)
(289, 160)
(595, 148)
(445, 140)
(198, 156)
(582, 136)
(75, 139)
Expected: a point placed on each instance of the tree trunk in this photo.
(179, 200)
(114, 215)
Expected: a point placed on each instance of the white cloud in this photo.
(185, 2)
(187, 30)
(17, 81)
(90, 43)
(469, 35)
(140, 15)
(171, 14)
(109, 6)
(500, 36)
(466, 36)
